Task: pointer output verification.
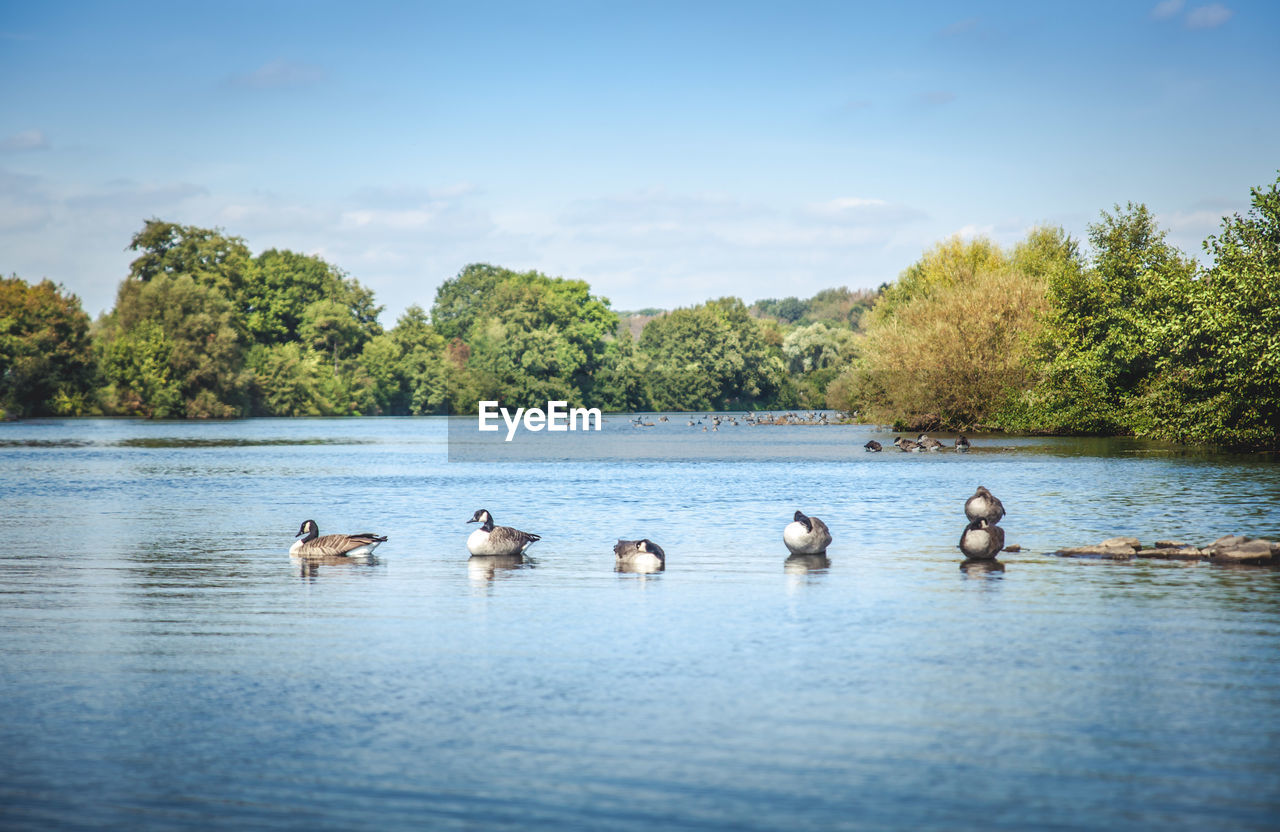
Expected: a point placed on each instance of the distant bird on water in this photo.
(905, 444)
(929, 444)
(873, 445)
(312, 545)
(806, 535)
(497, 540)
(962, 444)
(984, 505)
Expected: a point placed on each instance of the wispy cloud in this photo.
(935, 98)
(1208, 17)
(278, 74)
(24, 141)
(1166, 9)
(960, 27)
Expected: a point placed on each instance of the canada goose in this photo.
(981, 540)
(905, 444)
(806, 535)
(929, 444)
(663, 419)
(642, 552)
(962, 444)
(312, 545)
(984, 505)
(497, 540)
(873, 445)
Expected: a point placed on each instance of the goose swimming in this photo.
(873, 446)
(642, 552)
(984, 505)
(497, 540)
(806, 535)
(981, 541)
(312, 545)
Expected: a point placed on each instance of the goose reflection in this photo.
(975, 566)
(309, 567)
(487, 567)
(801, 564)
(640, 567)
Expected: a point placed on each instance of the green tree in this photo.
(1219, 380)
(205, 354)
(46, 359)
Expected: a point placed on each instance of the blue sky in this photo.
(664, 152)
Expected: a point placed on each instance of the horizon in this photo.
(664, 155)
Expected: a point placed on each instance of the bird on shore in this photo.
(905, 444)
(981, 540)
(929, 444)
(312, 545)
(640, 553)
(873, 446)
(984, 505)
(962, 444)
(497, 540)
(806, 535)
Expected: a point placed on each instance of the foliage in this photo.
(46, 360)
(949, 346)
(530, 337)
(1108, 326)
(192, 327)
(712, 356)
(1219, 373)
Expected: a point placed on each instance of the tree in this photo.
(46, 359)
(1219, 380)
(1108, 326)
(208, 256)
(203, 349)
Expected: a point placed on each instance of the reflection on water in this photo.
(487, 567)
(162, 665)
(640, 568)
(310, 567)
(806, 563)
(981, 566)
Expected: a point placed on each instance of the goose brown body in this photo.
(981, 541)
(491, 539)
(314, 545)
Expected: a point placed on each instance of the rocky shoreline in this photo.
(1233, 549)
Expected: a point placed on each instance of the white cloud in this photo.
(278, 74)
(1166, 9)
(24, 141)
(1208, 17)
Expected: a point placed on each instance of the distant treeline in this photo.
(1128, 336)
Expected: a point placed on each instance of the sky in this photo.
(666, 153)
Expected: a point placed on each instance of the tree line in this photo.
(1126, 335)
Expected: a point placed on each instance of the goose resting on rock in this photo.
(962, 444)
(806, 535)
(497, 540)
(984, 505)
(981, 540)
(312, 545)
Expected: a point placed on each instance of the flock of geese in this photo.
(804, 536)
(923, 443)
(713, 421)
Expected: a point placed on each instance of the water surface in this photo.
(163, 663)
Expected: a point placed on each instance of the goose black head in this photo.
(804, 521)
(484, 518)
(647, 545)
(308, 528)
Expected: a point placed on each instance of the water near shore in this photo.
(163, 663)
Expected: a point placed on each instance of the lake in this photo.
(165, 664)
